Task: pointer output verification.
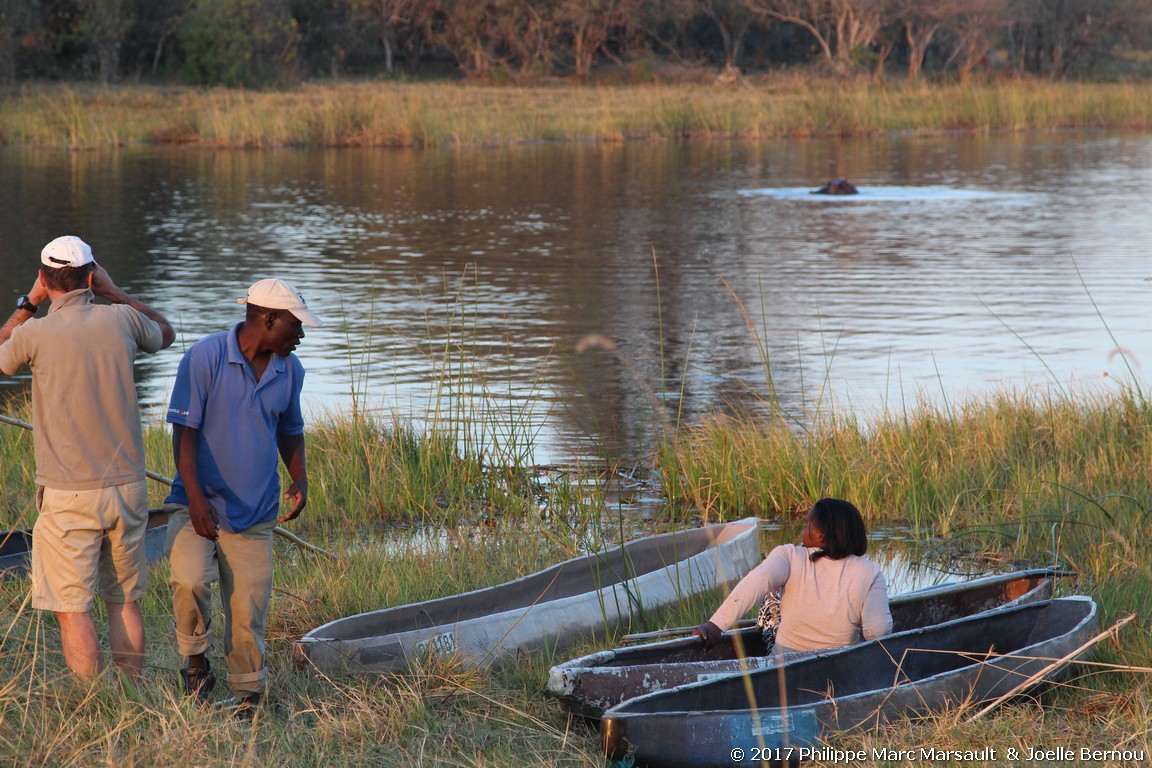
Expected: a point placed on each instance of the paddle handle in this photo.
(662, 634)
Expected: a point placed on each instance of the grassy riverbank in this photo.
(430, 114)
(1005, 481)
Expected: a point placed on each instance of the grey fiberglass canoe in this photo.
(772, 713)
(591, 684)
(551, 608)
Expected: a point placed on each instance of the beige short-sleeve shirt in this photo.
(85, 413)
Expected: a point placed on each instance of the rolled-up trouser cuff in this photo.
(248, 683)
(193, 645)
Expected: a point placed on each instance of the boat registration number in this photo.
(442, 644)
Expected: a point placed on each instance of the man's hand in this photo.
(38, 296)
(204, 519)
(39, 293)
(709, 633)
(102, 284)
(298, 494)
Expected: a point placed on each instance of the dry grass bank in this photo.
(465, 114)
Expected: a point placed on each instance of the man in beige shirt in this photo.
(92, 498)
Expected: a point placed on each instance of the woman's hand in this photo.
(709, 633)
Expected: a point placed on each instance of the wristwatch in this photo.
(26, 305)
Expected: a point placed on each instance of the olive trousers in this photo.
(242, 563)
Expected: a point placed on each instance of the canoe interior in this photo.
(15, 553)
(910, 610)
(882, 664)
(574, 577)
(15, 542)
(935, 606)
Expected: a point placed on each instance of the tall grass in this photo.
(419, 512)
(437, 715)
(1014, 455)
(470, 114)
(1025, 479)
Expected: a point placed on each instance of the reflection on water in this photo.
(908, 563)
(905, 569)
(457, 285)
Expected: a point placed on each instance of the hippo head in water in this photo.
(837, 187)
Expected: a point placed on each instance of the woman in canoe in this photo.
(831, 595)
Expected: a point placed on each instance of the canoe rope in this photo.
(160, 478)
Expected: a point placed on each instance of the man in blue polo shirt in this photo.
(235, 407)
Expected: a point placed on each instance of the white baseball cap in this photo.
(274, 293)
(66, 251)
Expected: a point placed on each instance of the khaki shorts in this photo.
(89, 542)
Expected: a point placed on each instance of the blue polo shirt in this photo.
(239, 419)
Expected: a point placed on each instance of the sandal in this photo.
(240, 707)
(198, 681)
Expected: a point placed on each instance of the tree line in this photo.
(275, 42)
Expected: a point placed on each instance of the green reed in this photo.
(424, 114)
(1005, 456)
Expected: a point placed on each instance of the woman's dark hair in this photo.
(843, 528)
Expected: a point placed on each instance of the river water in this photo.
(563, 301)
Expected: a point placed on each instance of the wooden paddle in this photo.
(160, 478)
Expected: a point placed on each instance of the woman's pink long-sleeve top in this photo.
(826, 603)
